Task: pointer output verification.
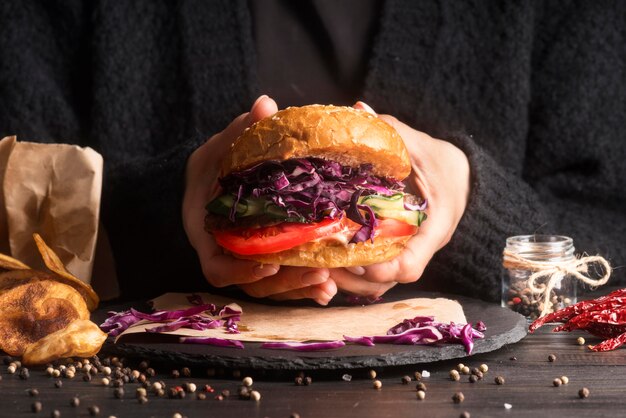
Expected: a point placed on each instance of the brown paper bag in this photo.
(6, 146)
(54, 190)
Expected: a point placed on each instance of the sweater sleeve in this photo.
(141, 210)
(570, 177)
(502, 205)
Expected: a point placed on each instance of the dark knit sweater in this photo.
(534, 93)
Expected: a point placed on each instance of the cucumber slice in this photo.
(222, 204)
(377, 202)
(274, 211)
(412, 217)
(245, 207)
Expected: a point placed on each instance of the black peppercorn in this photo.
(458, 397)
(201, 396)
(143, 365)
(33, 392)
(94, 410)
(473, 378)
(118, 393)
(74, 401)
(465, 414)
(24, 373)
(226, 393)
(150, 372)
(421, 386)
(583, 393)
(308, 381)
(186, 372)
(175, 374)
(36, 407)
(58, 384)
(172, 393)
(551, 358)
(406, 380)
(87, 377)
(557, 382)
(55, 414)
(142, 400)
(299, 381)
(499, 380)
(244, 392)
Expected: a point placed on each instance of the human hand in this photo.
(440, 173)
(256, 279)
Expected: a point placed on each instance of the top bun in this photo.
(343, 134)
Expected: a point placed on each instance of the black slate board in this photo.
(503, 327)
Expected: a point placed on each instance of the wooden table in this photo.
(528, 388)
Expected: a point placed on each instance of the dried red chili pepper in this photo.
(604, 317)
(610, 344)
(614, 299)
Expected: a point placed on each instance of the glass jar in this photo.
(531, 285)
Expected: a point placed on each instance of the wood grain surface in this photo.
(528, 388)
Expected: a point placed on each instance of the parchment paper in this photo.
(54, 190)
(287, 323)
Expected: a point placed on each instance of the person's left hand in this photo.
(440, 173)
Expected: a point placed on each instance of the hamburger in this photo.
(316, 186)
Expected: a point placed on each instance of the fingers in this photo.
(321, 293)
(289, 278)
(223, 270)
(364, 106)
(356, 285)
(262, 107)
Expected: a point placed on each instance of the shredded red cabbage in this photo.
(193, 318)
(162, 316)
(326, 345)
(360, 340)
(219, 342)
(424, 330)
(311, 189)
(118, 322)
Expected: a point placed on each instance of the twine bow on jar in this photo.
(552, 273)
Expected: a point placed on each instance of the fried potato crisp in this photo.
(36, 308)
(81, 338)
(10, 279)
(10, 263)
(44, 315)
(53, 262)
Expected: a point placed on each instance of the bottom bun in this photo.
(331, 255)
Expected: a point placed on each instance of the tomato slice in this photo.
(281, 237)
(272, 239)
(394, 228)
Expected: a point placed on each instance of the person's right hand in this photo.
(256, 279)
